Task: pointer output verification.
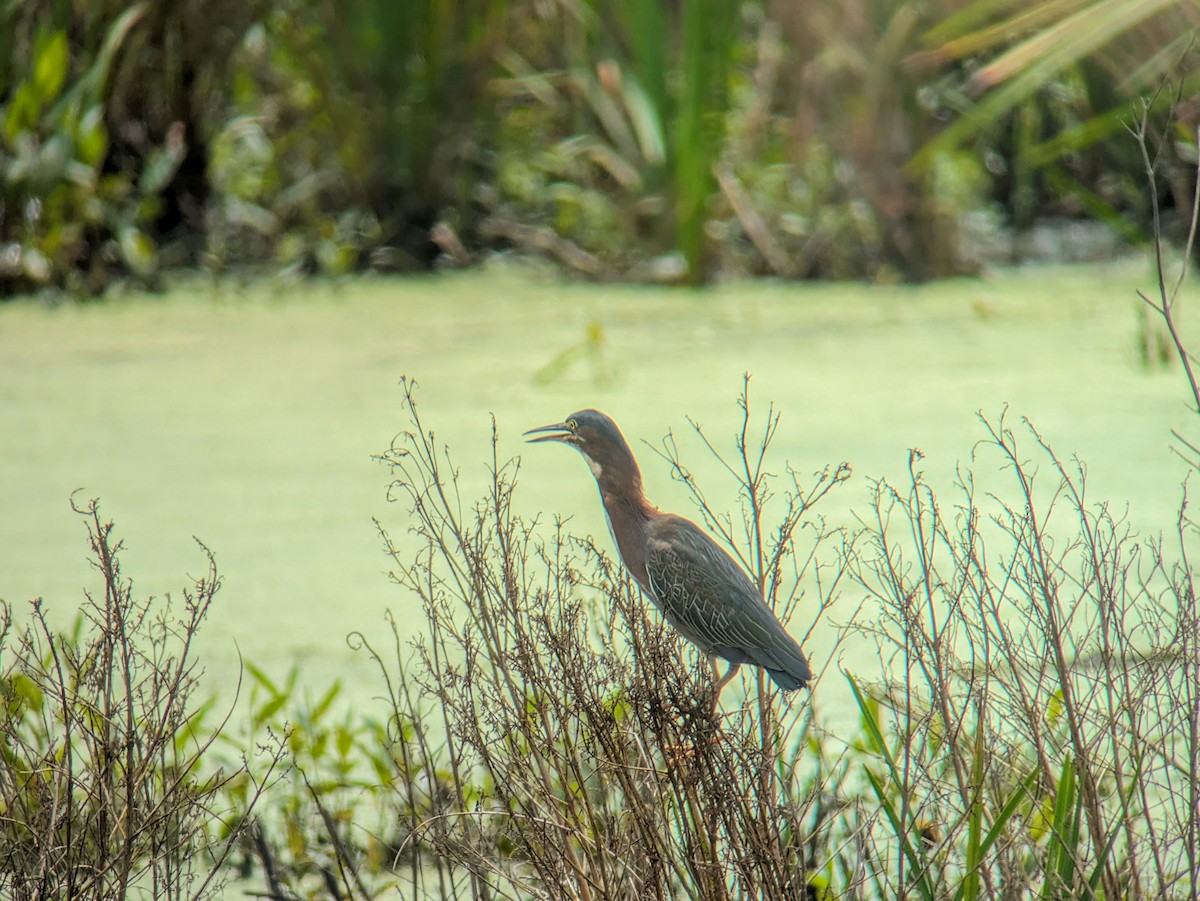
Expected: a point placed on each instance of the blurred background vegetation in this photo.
(640, 139)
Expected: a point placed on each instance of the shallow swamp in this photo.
(248, 417)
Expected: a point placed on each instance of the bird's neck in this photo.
(628, 513)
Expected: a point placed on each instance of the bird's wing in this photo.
(711, 600)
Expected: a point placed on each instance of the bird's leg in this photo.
(677, 754)
(719, 683)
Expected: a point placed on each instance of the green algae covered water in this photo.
(248, 418)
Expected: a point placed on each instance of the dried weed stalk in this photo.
(580, 762)
(102, 792)
(1034, 730)
(1039, 730)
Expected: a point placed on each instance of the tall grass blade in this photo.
(1064, 836)
(903, 834)
(645, 28)
(975, 850)
(870, 722)
(1022, 793)
(709, 34)
(903, 830)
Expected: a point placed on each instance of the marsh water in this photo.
(248, 417)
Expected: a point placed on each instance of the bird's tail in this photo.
(795, 676)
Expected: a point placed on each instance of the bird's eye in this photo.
(572, 425)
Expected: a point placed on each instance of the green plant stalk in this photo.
(708, 37)
(975, 850)
(1026, 125)
(1059, 868)
(1022, 793)
(1079, 137)
(691, 183)
(912, 853)
(902, 830)
(645, 28)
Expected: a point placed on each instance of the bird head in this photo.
(599, 440)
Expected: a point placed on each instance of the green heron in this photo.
(698, 587)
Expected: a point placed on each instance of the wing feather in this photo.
(707, 596)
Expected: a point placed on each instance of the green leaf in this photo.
(1029, 65)
(1064, 837)
(297, 742)
(935, 734)
(28, 691)
(52, 57)
(1102, 859)
(819, 886)
(708, 33)
(261, 678)
(193, 727)
(93, 82)
(160, 169)
(23, 112)
(322, 706)
(647, 123)
(91, 142)
(138, 251)
(619, 707)
(868, 708)
(558, 365)
(1020, 794)
(975, 852)
(1040, 819)
(343, 740)
(272, 707)
(1054, 709)
(903, 830)
(317, 750)
(336, 258)
(383, 772)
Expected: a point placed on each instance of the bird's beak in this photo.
(556, 432)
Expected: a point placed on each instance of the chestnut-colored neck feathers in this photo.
(626, 508)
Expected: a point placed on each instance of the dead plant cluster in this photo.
(583, 762)
(101, 733)
(1037, 727)
(1034, 730)
(1029, 726)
